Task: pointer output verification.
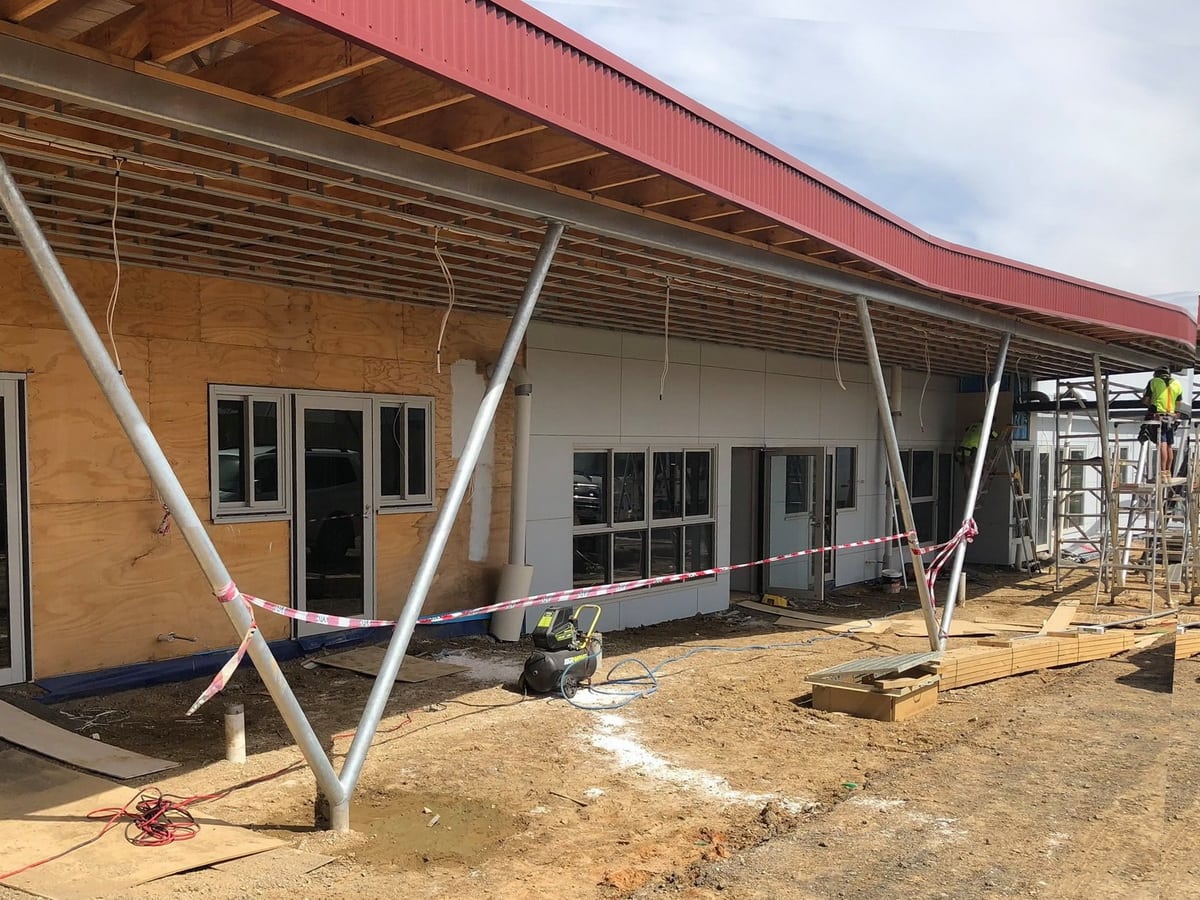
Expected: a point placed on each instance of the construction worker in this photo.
(1162, 394)
(969, 445)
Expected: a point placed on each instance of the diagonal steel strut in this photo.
(339, 813)
(119, 397)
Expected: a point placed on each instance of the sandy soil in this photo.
(1073, 782)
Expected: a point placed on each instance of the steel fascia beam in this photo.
(33, 67)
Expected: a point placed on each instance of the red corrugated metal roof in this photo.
(509, 51)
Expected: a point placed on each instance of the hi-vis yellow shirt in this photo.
(1164, 394)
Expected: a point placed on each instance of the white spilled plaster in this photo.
(467, 386)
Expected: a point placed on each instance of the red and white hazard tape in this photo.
(965, 535)
(620, 587)
(230, 592)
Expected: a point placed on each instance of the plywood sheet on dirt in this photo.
(368, 660)
(280, 862)
(847, 626)
(1062, 617)
(794, 618)
(43, 810)
(28, 731)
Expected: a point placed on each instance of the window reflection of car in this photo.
(333, 499)
(588, 492)
(333, 495)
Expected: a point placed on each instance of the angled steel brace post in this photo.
(159, 469)
(339, 813)
(960, 552)
(1107, 472)
(897, 470)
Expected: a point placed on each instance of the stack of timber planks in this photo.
(989, 660)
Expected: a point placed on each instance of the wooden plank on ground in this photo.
(28, 731)
(850, 626)
(958, 628)
(1062, 616)
(367, 661)
(280, 862)
(44, 808)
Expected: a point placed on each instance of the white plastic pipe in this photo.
(235, 733)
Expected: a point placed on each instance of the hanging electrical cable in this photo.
(449, 290)
(111, 312)
(837, 345)
(925, 386)
(662, 382)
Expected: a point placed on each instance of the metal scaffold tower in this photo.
(1120, 510)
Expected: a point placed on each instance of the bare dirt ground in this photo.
(1074, 782)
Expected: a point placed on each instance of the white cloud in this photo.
(1063, 134)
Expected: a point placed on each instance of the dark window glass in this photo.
(697, 496)
(664, 550)
(629, 555)
(796, 494)
(418, 445)
(629, 487)
(591, 559)
(668, 485)
(923, 519)
(922, 474)
(1043, 512)
(591, 488)
(945, 497)
(329, 468)
(391, 452)
(231, 450)
(266, 450)
(698, 548)
(845, 477)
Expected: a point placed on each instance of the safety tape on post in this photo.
(228, 594)
(966, 533)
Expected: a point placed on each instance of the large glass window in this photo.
(250, 444)
(622, 536)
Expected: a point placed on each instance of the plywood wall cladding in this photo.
(104, 584)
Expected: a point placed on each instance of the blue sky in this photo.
(1065, 133)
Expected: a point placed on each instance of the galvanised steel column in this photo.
(148, 450)
(1107, 473)
(960, 553)
(339, 814)
(897, 470)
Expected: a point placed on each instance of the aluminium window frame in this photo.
(284, 509)
(251, 510)
(408, 502)
(648, 523)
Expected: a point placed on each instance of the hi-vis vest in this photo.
(1162, 394)
(971, 437)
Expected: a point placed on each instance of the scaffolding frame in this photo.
(1117, 513)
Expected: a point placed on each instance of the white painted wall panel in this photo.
(575, 393)
(732, 404)
(678, 413)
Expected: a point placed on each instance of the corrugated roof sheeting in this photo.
(522, 58)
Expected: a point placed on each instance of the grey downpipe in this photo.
(159, 469)
(432, 557)
(517, 576)
(897, 470)
(960, 552)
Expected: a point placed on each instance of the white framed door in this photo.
(14, 611)
(794, 518)
(334, 525)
